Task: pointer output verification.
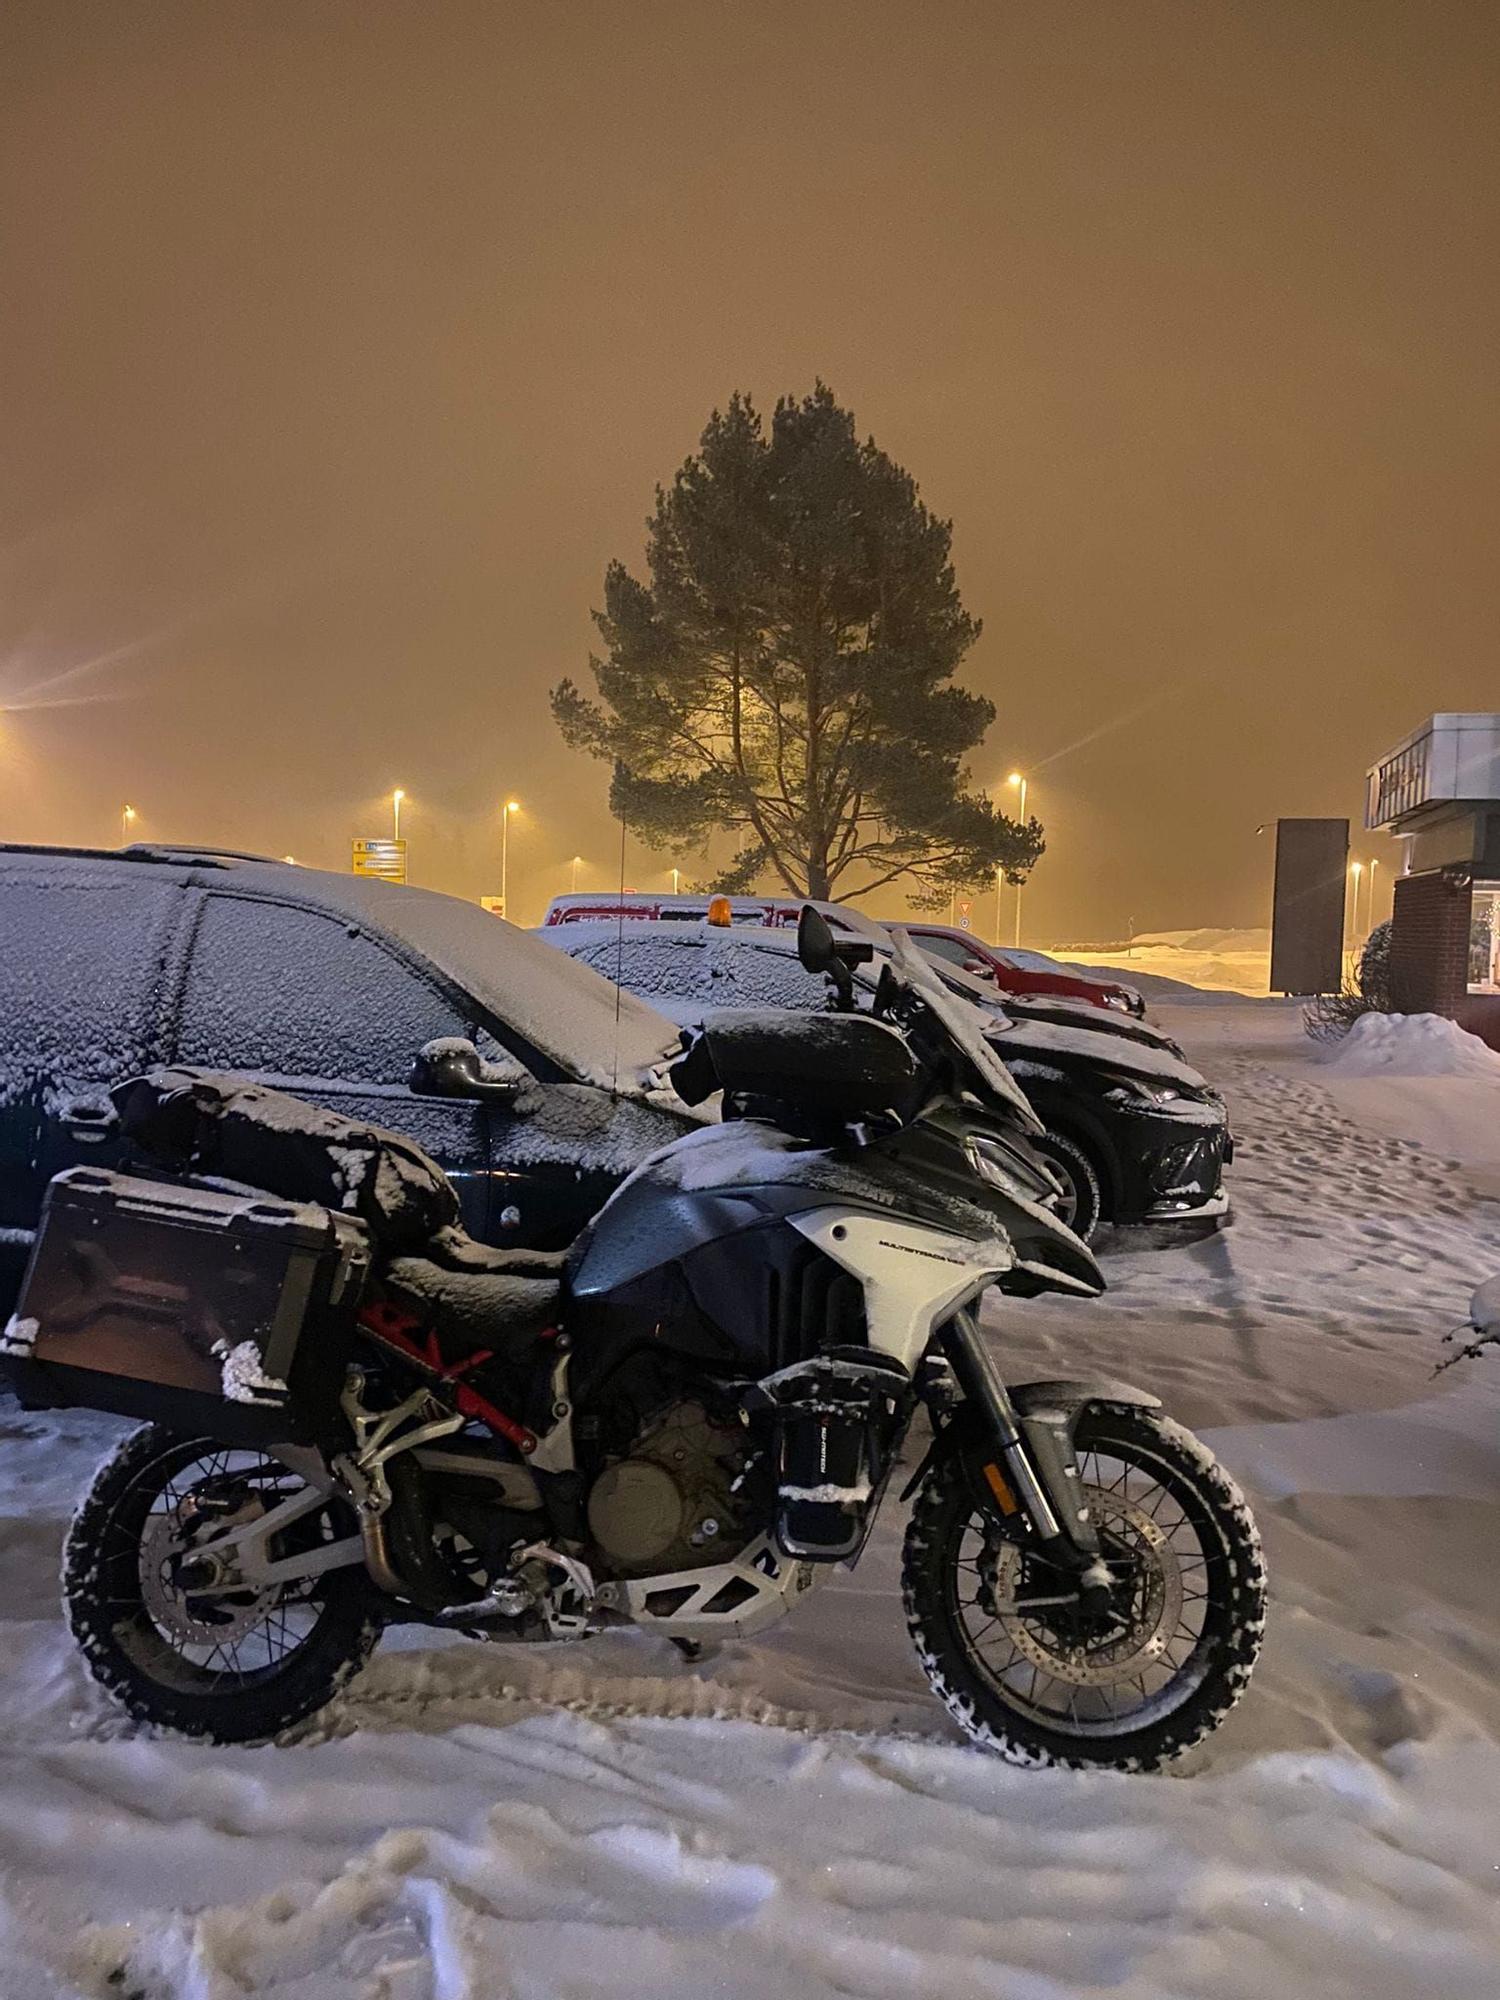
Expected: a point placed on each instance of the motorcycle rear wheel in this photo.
(237, 1668)
(1132, 1692)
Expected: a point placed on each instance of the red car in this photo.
(1021, 972)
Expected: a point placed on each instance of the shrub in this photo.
(1330, 1017)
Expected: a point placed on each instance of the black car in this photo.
(1136, 1133)
(328, 986)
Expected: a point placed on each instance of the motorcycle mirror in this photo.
(815, 945)
(452, 1067)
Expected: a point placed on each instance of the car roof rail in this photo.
(208, 857)
(142, 850)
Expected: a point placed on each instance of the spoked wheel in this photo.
(1019, 1663)
(171, 1630)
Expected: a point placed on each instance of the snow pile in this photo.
(1411, 1045)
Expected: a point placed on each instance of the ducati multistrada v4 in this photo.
(687, 1422)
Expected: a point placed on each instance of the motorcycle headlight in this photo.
(999, 1169)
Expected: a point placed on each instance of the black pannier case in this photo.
(219, 1314)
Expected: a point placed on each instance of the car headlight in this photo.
(1134, 1090)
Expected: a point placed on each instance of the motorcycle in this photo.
(684, 1423)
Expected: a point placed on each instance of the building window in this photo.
(1484, 939)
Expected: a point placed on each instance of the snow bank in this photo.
(1411, 1045)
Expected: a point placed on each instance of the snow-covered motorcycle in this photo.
(683, 1423)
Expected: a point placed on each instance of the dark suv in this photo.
(328, 986)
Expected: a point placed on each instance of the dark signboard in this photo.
(1307, 917)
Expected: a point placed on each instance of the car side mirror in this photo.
(452, 1067)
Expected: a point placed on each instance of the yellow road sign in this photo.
(385, 860)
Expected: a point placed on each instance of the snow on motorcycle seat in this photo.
(504, 1313)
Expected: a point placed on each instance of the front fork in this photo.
(1035, 1470)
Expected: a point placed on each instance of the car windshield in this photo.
(568, 1013)
(585, 1023)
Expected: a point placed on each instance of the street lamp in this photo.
(577, 864)
(676, 881)
(127, 814)
(1016, 778)
(396, 797)
(511, 806)
(1370, 898)
(1356, 869)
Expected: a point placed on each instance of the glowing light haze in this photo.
(342, 345)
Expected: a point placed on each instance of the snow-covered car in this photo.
(1020, 975)
(327, 986)
(1026, 974)
(1137, 1134)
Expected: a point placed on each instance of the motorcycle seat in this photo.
(504, 1311)
(454, 1249)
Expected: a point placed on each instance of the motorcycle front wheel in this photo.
(222, 1664)
(1025, 1672)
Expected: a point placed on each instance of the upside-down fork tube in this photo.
(1036, 1464)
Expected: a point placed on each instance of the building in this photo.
(1439, 791)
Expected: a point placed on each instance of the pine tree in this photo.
(788, 671)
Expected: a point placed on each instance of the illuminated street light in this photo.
(1015, 778)
(1356, 869)
(577, 864)
(396, 797)
(511, 806)
(127, 814)
(676, 881)
(1370, 899)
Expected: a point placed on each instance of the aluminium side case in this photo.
(221, 1314)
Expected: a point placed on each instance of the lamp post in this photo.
(1356, 869)
(999, 885)
(127, 814)
(577, 863)
(1370, 899)
(1016, 778)
(676, 881)
(511, 806)
(396, 797)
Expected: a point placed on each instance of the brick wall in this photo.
(1430, 943)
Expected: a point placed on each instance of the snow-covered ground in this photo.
(1181, 965)
(796, 1817)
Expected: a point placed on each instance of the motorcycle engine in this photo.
(670, 1501)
